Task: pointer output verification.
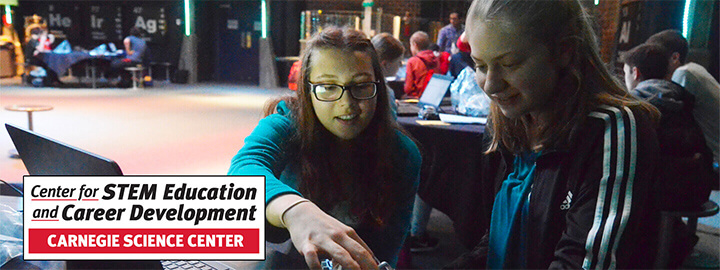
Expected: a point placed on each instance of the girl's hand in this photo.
(314, 233)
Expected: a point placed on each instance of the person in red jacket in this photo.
(443, 59)
(420, 66)
(294, 75)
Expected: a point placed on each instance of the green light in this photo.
(8, 14)
(685, 18)
(187, 17)
(597, 2)
(263, 18)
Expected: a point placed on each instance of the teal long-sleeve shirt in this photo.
(265, 153)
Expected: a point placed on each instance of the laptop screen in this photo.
(44, 156)
(435, 90)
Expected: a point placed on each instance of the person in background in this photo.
(33, 49)
(407, 30)
(571, 153)
(390, 53)
(686, 184)
(46, 40)
(294, 75)
(697, 81)
(420, 66)
(442, 57)
(135, 47)
(449, 34)
(462, 58)
(340, 173)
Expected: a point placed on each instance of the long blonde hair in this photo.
(583, 85)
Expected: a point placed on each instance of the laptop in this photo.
(45, 156)
(433, 96)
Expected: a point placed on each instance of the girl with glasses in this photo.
(571, 153)
(340, 172)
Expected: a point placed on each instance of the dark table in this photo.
(450, 174)
(61, 62)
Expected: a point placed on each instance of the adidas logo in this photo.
(566, 203)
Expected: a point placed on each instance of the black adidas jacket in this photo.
(590, 203)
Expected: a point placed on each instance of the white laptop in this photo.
(433, 95)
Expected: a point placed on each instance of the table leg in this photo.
(87, 72)
(135, 80)
(93, 67)
(30, 121)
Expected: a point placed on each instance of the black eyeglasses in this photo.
(332, 92)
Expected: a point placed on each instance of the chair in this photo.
(708, 209)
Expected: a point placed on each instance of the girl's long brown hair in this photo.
(373, 182)
(583, 85)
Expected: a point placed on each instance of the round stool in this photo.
(695, 259)
(29, 109)
(136, 75)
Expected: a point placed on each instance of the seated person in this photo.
(685, 184)
(461, 59)
(135, 48)
(294, 75)
(570, 153)
(420, 66)
(340, 173)
(46, 40)
(33, 49)
(390, 53)
(698, 82)
(442, 57)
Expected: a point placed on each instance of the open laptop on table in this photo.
(45, 156)
(433, 95)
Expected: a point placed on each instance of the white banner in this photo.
(144, 217)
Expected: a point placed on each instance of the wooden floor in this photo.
(170, 130)
(182, 130)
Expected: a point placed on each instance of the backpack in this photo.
(684, 173)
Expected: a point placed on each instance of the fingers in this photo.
(352, 234)
(345, 248)
(314, 232)
(345, 257)
(311, 258)
(340, 256)
(350, 251)
(360, 251)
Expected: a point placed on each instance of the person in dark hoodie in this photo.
(420, 66)
(682, 144)
(462, 58)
